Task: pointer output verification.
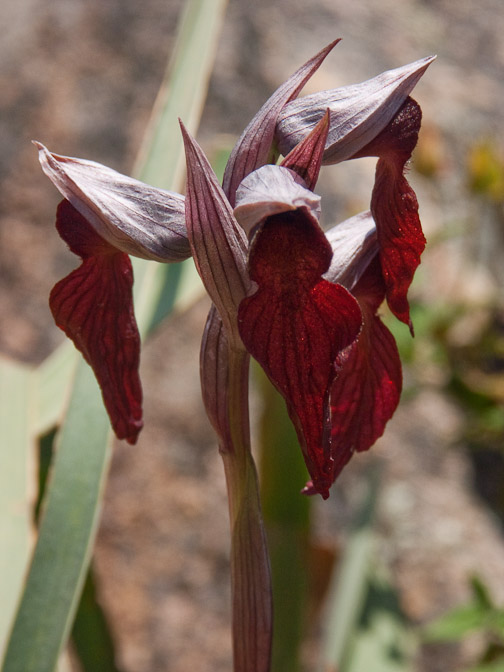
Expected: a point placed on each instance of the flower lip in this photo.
(296, 323)
(132, 216)
(358, 112)
(366, 391)
(93, 305)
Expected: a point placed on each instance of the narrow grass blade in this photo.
(17, 487)
(91, 636)
(366, 629)
(286, 516)
(161, 159)
(53, 379)
(68, 525)
(70, 518)
(382, 641)
(348, 590)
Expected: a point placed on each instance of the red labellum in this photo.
(296, 324)
(395, 208)
(366, 391)
(94, 307)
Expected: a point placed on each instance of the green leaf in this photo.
(456, 624)
(481, 593)
(494, 666)
(161, 159)
(286, 516)
(366, 629)
(479, 614)
(382, 641)
(91, 636)
(16, 487)
(68, 525)
(53, 380)
(349, 586)
(71, 513)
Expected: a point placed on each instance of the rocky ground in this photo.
(81, 77)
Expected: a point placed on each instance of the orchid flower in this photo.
(302, 302)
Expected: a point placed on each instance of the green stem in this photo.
(250, 570)
(287, 522)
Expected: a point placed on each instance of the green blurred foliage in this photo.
(459, 350)
(459, 343)
(479, 615)
(486, 171)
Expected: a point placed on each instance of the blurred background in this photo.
(81, 76)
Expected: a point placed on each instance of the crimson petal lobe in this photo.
(296, 324)
(395, 208)
(366, 392)
(94, 307)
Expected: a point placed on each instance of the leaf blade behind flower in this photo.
(57, 570)
(16, 484)
(70, 520)
(160, 160)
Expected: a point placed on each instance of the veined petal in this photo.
(132, 216)
(218, 243)
(354, 244)
(271, 190)
(295, 325)
(254, 145)
(368, 386)
(395, 208)
(358, 112)
(94, 307)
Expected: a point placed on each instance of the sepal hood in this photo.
(132, 216)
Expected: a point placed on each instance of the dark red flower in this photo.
(303, 302)
(296, 324)
(94, 307)
(366, 391)
(106, 216)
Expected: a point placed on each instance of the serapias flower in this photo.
(312, 322)
(105, 217)
(302, 302)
